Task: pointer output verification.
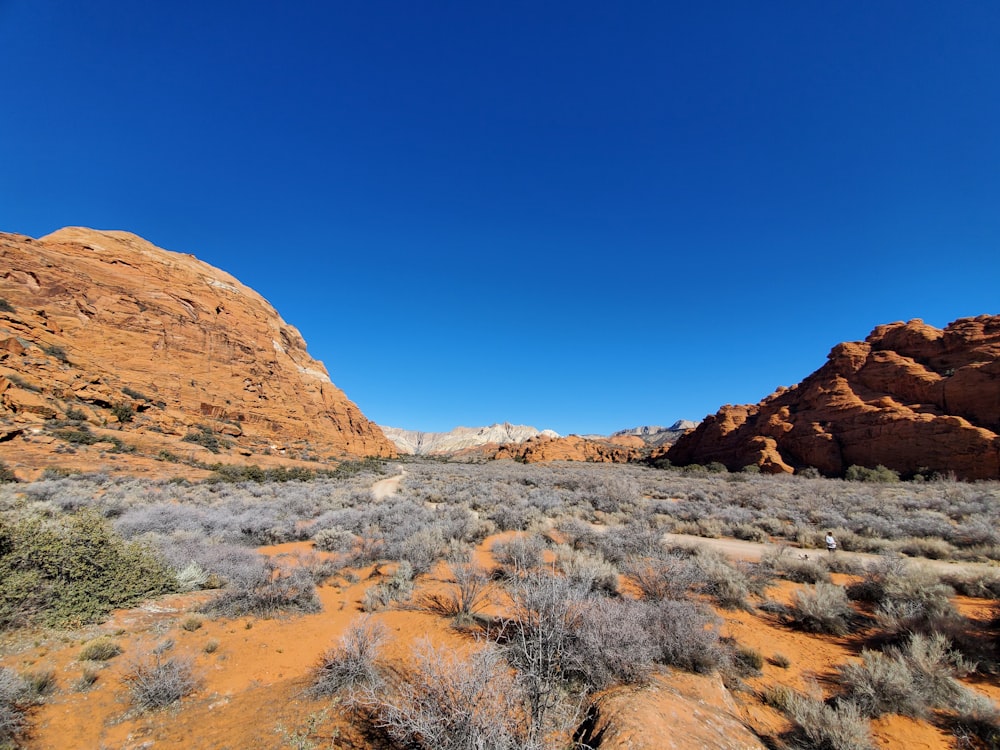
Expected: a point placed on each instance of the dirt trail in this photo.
(384, 488)
(752, 551)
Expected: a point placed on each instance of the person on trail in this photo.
(831, 543)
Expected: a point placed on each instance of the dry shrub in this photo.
(100, 649)
(793, 568)
(353, 664)
(929, 547)
(39, 683)
(892, 580)
(445, 701)
(398, 588)
(977, 725)
(588, 569)
(820, 726)
(266, 589)
(334, 540)
(981, 584)
(612, 643)
(519, 555)
(538, 641)
(423, 549)
(909, 681)
(822, 609)
(669, 576)
(466, 598)
(727, 584)
(686, 636)
(156, 682)
(748, 661)
(13, 700)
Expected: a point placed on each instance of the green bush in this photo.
(82, 436)
(39, 683)
(748, 661)
(75, 415)
(234, 474)
(56, 351)
(6, 475)
(132, 393)
(205, 437)
(123, 412)
(72, 570)
(879, 474)
(371, 465)
(100, 649)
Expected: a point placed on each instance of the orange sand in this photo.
(252, 691)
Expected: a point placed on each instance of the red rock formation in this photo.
(95, 320)
(570, 448)
(674, 712)
(910, 397)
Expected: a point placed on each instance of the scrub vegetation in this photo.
(579, 592)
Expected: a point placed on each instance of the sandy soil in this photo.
(254, 672)
(384, 488)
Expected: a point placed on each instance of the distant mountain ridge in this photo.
(656, 435)
(416, 443)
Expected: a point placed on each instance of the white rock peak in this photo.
(418, 443)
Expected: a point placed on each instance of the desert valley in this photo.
(204, 543)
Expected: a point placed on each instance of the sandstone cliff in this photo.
(461, 438)
(910, 397)
(107, 329)
(572, 448)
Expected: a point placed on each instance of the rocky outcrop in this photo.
(461, 438)
(105, 329)
(910, 397)
(674, 711)
(570, 448)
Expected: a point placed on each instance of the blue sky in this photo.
(581, 216)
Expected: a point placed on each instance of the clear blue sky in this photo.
(581, 215)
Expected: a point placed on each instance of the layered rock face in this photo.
(678, 712)
(572, 448)
(910, 397)
(461, 438)
(97, 324)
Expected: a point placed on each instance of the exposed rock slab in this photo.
(98, 320)
(910, 397)
(679, 711)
